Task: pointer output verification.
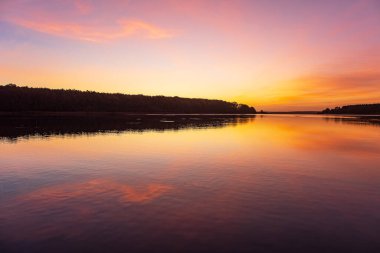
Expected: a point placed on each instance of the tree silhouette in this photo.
(14, 99)
(354, 109)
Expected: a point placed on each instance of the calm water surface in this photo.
(263, 184)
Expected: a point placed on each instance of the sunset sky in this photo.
(274, 55)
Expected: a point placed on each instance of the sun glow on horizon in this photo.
(285, 55)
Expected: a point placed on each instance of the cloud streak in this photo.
(328, 90)
(123, 28)
(81, 20)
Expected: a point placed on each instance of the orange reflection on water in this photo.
(97, 188)
(81, 202)
(273, 173)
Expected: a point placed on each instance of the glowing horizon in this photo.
(292, 55)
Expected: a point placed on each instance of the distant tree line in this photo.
(354, 109)
(14, 99)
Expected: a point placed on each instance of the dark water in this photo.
(190, 184)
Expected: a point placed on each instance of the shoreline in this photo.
(53, 114)
(100, 113)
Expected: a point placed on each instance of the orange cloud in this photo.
(131, 27)
(320, 90)
(359, 85)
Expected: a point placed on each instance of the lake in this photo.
(172, 183)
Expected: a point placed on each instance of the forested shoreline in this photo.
(369, 109)
(14, 98)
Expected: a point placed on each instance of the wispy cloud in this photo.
(123, 28)
(81, 20)
(329, 90)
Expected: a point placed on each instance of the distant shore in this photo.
(116, 114)
(290, 112)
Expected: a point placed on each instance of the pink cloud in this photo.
(83, 6)
(123, 28)
(82, 20)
